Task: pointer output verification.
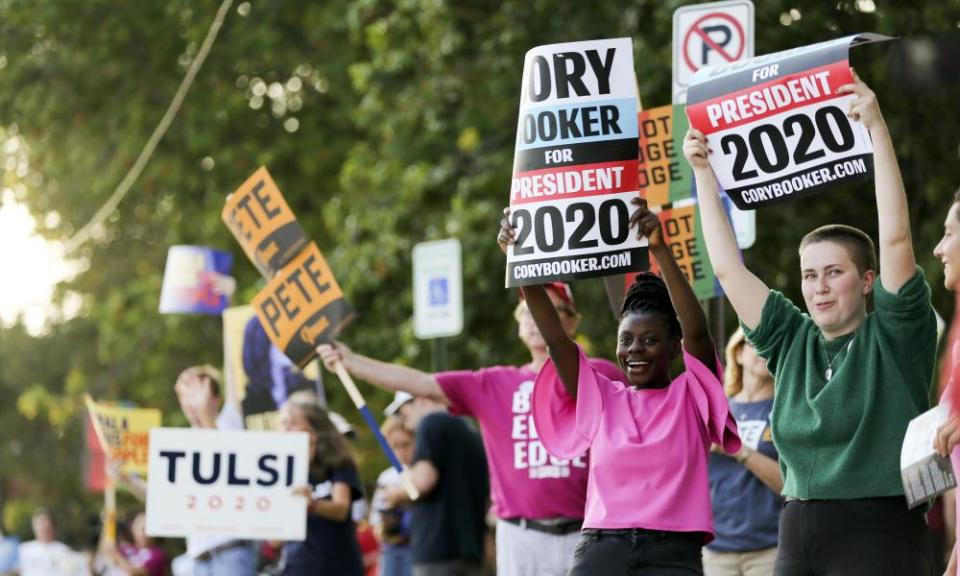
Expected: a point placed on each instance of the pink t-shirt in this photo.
(525, 481)
(648, 448)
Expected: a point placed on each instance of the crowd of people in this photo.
(785, 461)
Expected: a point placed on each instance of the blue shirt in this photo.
(746, 513)
(8, 554)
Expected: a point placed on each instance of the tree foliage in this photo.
(385, 123)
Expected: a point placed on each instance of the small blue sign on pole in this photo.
(437, 289)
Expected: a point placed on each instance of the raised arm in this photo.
(897, 261)
(746, 292)
(562, 349)
(693, 322)
(384, 375)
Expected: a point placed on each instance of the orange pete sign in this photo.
(125, 433)
(263, 223)
(303, 306)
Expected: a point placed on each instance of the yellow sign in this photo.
(263, 224)
(124, 433)
(302, 306)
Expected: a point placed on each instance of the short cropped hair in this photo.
(857, 242)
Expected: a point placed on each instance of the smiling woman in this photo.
(31, 266)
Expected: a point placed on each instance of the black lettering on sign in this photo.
(651, 127)
(546, 225)
(564, 124)
(565, 77)
(767, 145)
(263, 223)
(172, 457)
(659, 174)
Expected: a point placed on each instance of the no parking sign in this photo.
(709, 34)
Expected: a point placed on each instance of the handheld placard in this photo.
(778, 125)
(109, 532)
(361, 405)
(575, 165)
(302, 305)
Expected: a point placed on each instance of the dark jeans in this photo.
(637, 552)
(868, 536)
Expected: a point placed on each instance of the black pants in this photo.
(637, 552)
(868, 536)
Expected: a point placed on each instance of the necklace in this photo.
(823, 348)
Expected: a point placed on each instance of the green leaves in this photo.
(385, 123)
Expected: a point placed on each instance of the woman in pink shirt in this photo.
(648, 501)
(947, 442)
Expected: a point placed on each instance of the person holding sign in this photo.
(649, 435)
(948, 436)
(745, 487)
(538, 500)
(199, 395)
(331, 546)
(848, 380)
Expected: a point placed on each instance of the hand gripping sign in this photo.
(777, 126)
(575, 164)
(230, 484)
(263, 223)
(303, 305)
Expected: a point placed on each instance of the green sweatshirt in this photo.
(841, 438)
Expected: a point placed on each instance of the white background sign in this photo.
(575, 164)
(230, 484)
(437, 289)
(778, 125)
(709, 34)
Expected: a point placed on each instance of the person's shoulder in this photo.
(28, 545)
(440, 419)
(506, 372)
(444, 424)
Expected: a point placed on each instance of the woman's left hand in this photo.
(647, 223)
(864, 108)
(947, 437)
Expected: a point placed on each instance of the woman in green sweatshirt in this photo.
(848, 380)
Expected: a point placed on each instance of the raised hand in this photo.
(864, 108)
(696, 150)
(647, 223)
(506, 237)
